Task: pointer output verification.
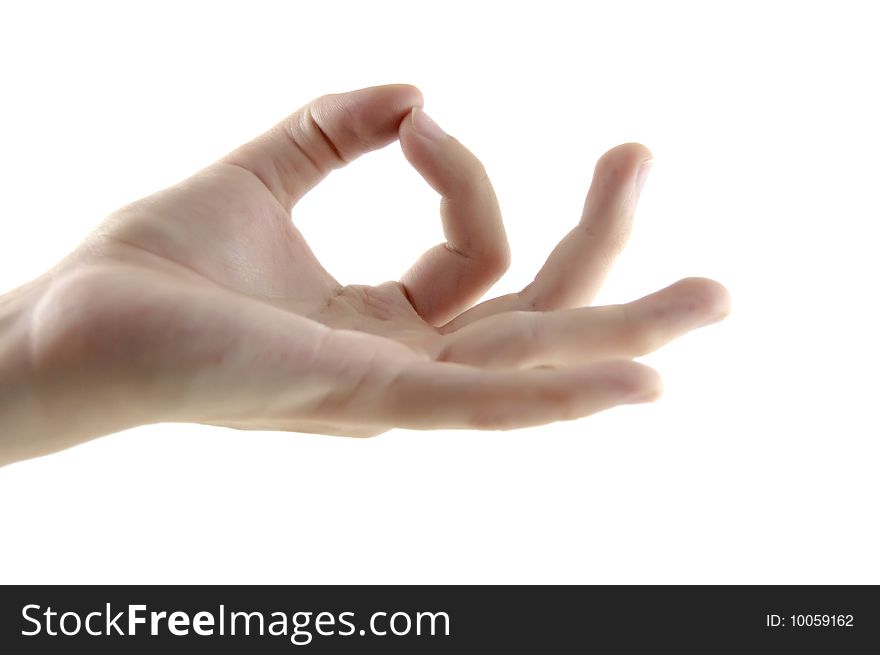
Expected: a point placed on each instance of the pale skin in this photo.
(203, 303)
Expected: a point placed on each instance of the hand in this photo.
(204, 303)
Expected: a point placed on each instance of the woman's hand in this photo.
(203, 303)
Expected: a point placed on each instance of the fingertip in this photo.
(649, 387)
(398, 95)
(617, 181)
(378, 108)
(408, 135)
(410, 98)
(409, 92)
(629, 381)
(628, 156)
(420, 151)
(425, 126)
(638, 151)
(708, 296)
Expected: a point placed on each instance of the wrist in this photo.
(21, 417)
(54, 392)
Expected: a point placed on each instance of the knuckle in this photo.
(472, 177)
(479, 174)
(496, 260)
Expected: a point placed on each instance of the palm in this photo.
(218, 259)
(255, 250)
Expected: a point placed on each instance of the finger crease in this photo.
(455, 251)
(326, 138)
(305, 153)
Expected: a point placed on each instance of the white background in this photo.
(760, 464)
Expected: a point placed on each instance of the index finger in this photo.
(451, 276)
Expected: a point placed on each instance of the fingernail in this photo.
(425, 125)
(642, 175)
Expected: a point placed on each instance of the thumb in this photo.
(327, 133)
